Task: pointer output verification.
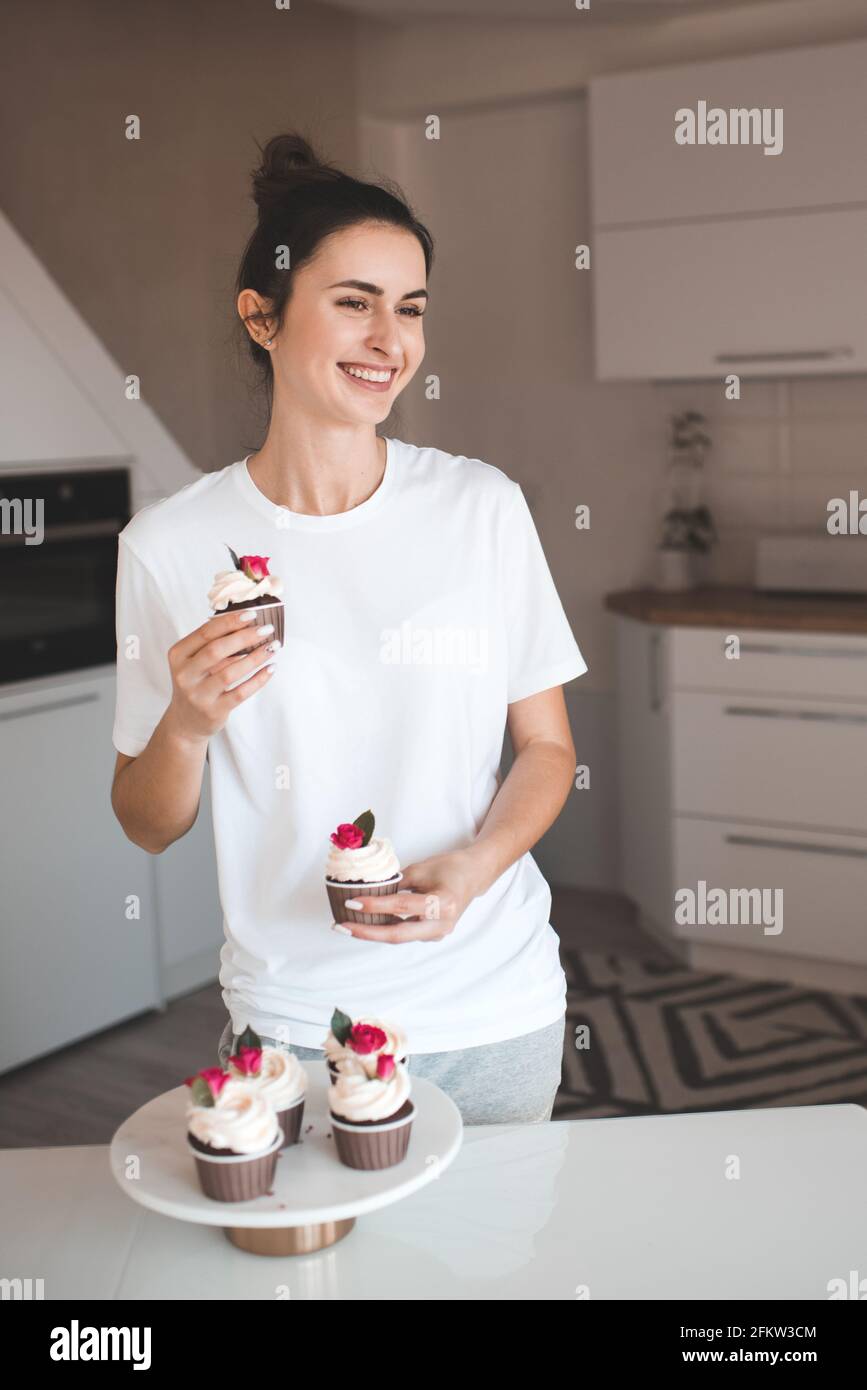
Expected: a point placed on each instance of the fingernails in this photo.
(274, 646)
(265, 629)
(248, 616)
(337, 926)
(355, 903)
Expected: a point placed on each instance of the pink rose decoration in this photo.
(254, 566)
(249, 1061)
(385, 1066)
(215, 1077)
(365, 1037)
(347, 836)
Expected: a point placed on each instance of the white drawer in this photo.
(823, 879)
(770, 662)
(792, 761)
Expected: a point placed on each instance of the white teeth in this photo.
(366, 375)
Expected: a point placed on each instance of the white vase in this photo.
(674, 570)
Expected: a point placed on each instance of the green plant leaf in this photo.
(248, 1038)
(235, 561)
(341, 1025)
(365, 823)
(201, 1092)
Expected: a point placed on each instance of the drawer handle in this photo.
(804, 845)
(820, 716)
(772, 648)
(653, 672)
(792, 355)
(49, 705)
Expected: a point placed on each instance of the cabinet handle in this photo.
(775, 648)
(49, 704)
(793, 355)
(820, 716)
(653, 671)
(765, 842)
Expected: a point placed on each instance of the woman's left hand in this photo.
(433, 893)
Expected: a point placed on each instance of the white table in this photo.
(630, 1208)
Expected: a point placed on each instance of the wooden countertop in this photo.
(742, 608)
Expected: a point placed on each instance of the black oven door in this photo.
(57, 594)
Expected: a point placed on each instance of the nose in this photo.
(384, 335)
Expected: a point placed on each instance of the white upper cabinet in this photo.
(711, 259)
(641, 174)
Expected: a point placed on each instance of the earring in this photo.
(268, 342)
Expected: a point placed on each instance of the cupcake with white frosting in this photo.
(249, 585)
(277, 1075)
(362, 1041)
(360, 865)
(234, 1136)
(371, 1116)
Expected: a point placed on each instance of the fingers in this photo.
(220, 625)
(215, 685)
(230, 698)
(218, 653)
(406, 931)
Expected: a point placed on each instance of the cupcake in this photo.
(359, 865)
(362, 1041)
(371, 1116)
(234, 1135)
(249, 585)
(277, 1075)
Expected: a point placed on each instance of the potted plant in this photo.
(687, 527)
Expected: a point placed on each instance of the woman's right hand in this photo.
(204, 662)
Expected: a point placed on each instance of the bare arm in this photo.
(156, 795)
(534, 791)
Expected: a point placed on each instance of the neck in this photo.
(321, 471)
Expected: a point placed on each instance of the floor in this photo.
(644, 1036)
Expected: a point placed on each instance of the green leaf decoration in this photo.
(247, 1039)
(341, 1025)
(201, 1092)
(235, 561)
(365, 824)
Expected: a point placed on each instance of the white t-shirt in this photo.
(411, 622)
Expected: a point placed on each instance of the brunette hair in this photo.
(302, 200)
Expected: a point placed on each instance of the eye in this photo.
(409, 310)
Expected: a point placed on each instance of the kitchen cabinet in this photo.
(94, 929)
(764, 296)
(79, 918)
(641, 174)
(747, 773)
(718, 259)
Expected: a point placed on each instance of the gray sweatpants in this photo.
(511, 1082)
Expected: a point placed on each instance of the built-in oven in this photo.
(58, 569)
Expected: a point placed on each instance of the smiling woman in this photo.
(372, 538)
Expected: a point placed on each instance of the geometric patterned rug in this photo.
(662, 1039)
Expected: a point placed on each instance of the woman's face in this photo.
(375, 324)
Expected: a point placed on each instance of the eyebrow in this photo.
(375, 289)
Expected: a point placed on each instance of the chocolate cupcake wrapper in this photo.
(290, 1122)
(373, 1146)
(340, 893)
(237, 1178)
(266, 613)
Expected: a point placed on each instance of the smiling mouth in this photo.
(379, 378)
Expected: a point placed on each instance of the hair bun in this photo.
(287, 161)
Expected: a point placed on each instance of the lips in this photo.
(367, 385)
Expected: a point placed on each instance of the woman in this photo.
(420, 618)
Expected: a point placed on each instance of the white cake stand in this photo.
(315, 1198)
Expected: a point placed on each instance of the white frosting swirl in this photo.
(241, 1119)
(233, 586)
(370, 863)
(282, 1079)
(357, 1096)
(395, 1043)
